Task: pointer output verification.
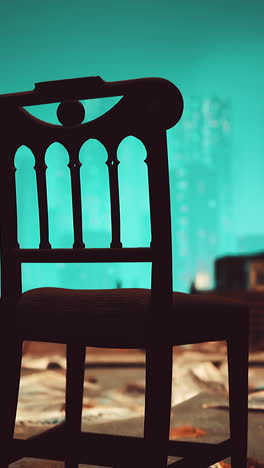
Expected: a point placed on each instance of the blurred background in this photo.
(213, 51)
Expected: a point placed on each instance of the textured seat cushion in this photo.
(116, 317)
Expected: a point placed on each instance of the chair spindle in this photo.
(112, 164)
(40, 169)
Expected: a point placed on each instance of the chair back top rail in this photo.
(95, 87)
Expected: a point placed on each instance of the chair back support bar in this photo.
(147, 109)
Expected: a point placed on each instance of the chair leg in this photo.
(74, 399)
(157, 406)
(238, 398)
(10, 359)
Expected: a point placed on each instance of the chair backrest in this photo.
(147, 109)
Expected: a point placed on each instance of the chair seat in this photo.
(117, 317)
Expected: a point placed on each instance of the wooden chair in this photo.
(154, 319)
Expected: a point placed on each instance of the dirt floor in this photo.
(114, 394)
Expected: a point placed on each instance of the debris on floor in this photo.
(186, 431)
(117, 393)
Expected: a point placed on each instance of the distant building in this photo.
(200, 175)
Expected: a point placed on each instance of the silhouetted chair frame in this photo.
(148, 108)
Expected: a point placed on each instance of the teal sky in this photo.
(207, 48)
